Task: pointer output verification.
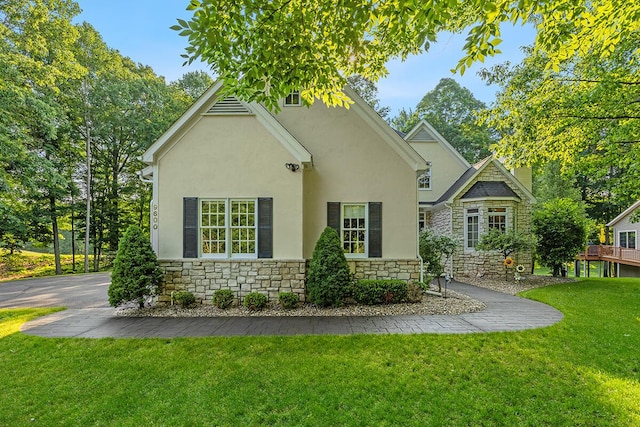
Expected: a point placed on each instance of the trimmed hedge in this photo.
(255, 301)
(372, 292)
(184, 298)
(288, 300)
(223, 298)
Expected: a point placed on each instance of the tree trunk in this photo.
(73, 236)
(88, 217)
(56, 240)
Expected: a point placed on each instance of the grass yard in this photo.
(25, 264)
(584, 371)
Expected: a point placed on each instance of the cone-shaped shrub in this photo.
(136, 273)
(328, 278)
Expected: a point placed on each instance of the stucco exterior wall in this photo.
(228, 157)
(353, 163)
(445, 168)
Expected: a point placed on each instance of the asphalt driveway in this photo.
(70, 291)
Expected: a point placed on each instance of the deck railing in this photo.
(611, 253)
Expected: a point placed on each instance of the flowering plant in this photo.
(508, 262)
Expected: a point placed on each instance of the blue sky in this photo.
(140, 30)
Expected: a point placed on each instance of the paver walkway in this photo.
(503, 313)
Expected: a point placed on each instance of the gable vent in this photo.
(229, 105)
(424, 135)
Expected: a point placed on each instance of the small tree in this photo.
(136, 273)
(329, 277)
(561, 229)
(435, 250)
(506, 242)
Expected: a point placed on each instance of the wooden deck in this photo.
(612, 254)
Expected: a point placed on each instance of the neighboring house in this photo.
(467, 200)
(626, 230)
(241, 195)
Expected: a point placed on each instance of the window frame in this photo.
(471, 213)
(502, 225)
(365, 230)
(422, 218)
(427, 174)
(289, 99)
(228, 229)
(627, 233)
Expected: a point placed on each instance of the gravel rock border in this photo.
(513, 287)
(454, 303)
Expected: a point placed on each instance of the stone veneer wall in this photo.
(203, 277)
(476, 263)
(376, 268)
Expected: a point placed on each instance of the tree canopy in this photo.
(561, 231)
(453, 111)
(74, 117)
(264, 49)
(584, 117)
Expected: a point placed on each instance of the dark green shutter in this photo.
(190, 227)
(265, 227)
(333, 216)
(375, 230)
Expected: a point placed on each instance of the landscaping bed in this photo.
(454, 303)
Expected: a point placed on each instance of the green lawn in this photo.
(25, 264)
(584, 371)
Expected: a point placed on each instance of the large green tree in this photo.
(452, 110)
(585, 117)
(36, 55)
(263, 49)
(561, 230)
(368, 91)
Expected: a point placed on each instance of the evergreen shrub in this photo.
(184, 298)
(136, 273)
(373, 292)
(328, 277)
(288, 300)
(255, 301)
(223, 298)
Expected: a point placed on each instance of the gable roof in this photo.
(424, 132)
(210, 103)
(624, 214)
(386, 132)
(491, 190)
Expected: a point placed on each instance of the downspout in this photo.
(143, 179)
(450, 206)
(418, 233)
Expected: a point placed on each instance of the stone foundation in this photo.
(204, 277)
(489, 265)
(376, 268)
(270, 277)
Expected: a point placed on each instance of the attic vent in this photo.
(229, 105)
(424, 135)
